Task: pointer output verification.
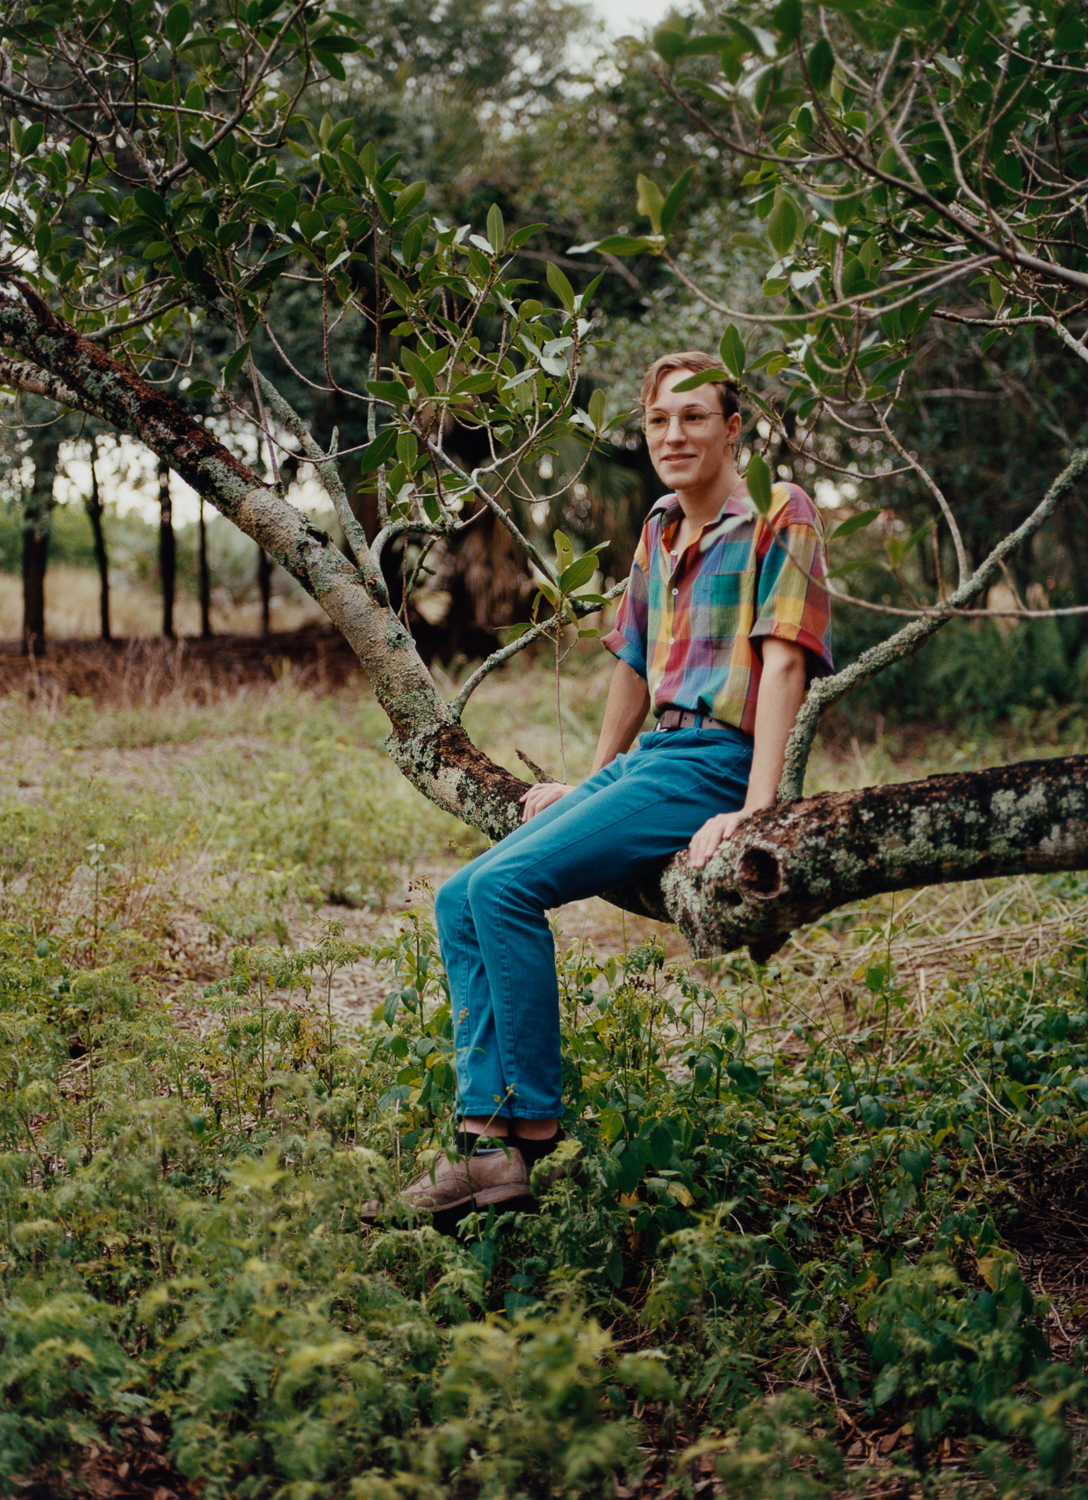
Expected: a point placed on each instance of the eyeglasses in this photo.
(693, 420)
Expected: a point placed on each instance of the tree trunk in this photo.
(264, 585)
(168, 558)
(783, 867)
(95, 508)
(37, 527)
(205, 579)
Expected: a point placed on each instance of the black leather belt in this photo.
(684, 718)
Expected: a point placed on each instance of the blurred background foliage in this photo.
(531, 105)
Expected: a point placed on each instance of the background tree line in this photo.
(494, 107)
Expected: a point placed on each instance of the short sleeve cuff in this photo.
(624, 650)
(817, 654)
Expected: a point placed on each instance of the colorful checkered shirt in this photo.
(688, 624)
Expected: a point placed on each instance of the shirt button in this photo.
(671, 641)
(676, 591)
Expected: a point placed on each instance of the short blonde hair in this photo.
(695, 361)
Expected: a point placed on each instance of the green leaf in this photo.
(408, 199)
(579, 572)
(496, 229)
(474, 385)
(389, 390)
(788, 16)
(235, 362)
(783, 223)
(676, 195)
(150, 203)
(821, 65)
(376, 453)
(1070, 34)
(596, 408)
(564, 551)
(744, 1076)
(200, 160)
(618, 244)
(661, 1146)
(854, 523)
(200, 46)
(31, 139)
(701, 378)
(669, 44)
(650, 201)
(520, 236)
(758, 478)
(872, 1113)
(401, 291)
(732, 350)
(331, 63)
(419, 372)
(855, 280)
(560, 286)
(177, 24)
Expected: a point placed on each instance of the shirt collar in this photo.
(668, 508)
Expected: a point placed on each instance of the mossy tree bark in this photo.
(785, 867)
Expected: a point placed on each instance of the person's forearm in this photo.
(624, 715)
(781, 689)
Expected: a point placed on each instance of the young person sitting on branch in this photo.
(724, 623)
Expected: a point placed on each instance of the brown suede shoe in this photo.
(489, 1175)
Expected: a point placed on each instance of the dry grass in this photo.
(71, 608)
(159, 711)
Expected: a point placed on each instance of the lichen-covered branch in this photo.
(905, 642)
(794, 863)
(324, 463)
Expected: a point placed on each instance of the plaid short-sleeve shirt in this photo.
(690, 623)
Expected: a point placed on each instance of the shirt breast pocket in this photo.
(722, 605)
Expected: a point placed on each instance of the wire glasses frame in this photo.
(693, 421)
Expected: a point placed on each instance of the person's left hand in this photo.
(538, 797)
(714, 830)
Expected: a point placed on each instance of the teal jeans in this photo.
(622, 824)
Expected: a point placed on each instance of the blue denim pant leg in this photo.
(497, 946)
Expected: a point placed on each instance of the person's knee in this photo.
(504, 885)
(450, 902)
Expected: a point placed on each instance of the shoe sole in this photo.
(507, 1192)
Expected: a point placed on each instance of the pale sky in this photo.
(631, 16)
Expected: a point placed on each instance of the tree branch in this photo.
(795, 863)
(905, 642)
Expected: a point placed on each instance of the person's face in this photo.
(690, 441)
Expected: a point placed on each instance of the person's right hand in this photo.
(537, 798)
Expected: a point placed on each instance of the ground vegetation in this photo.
(829, 1235)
